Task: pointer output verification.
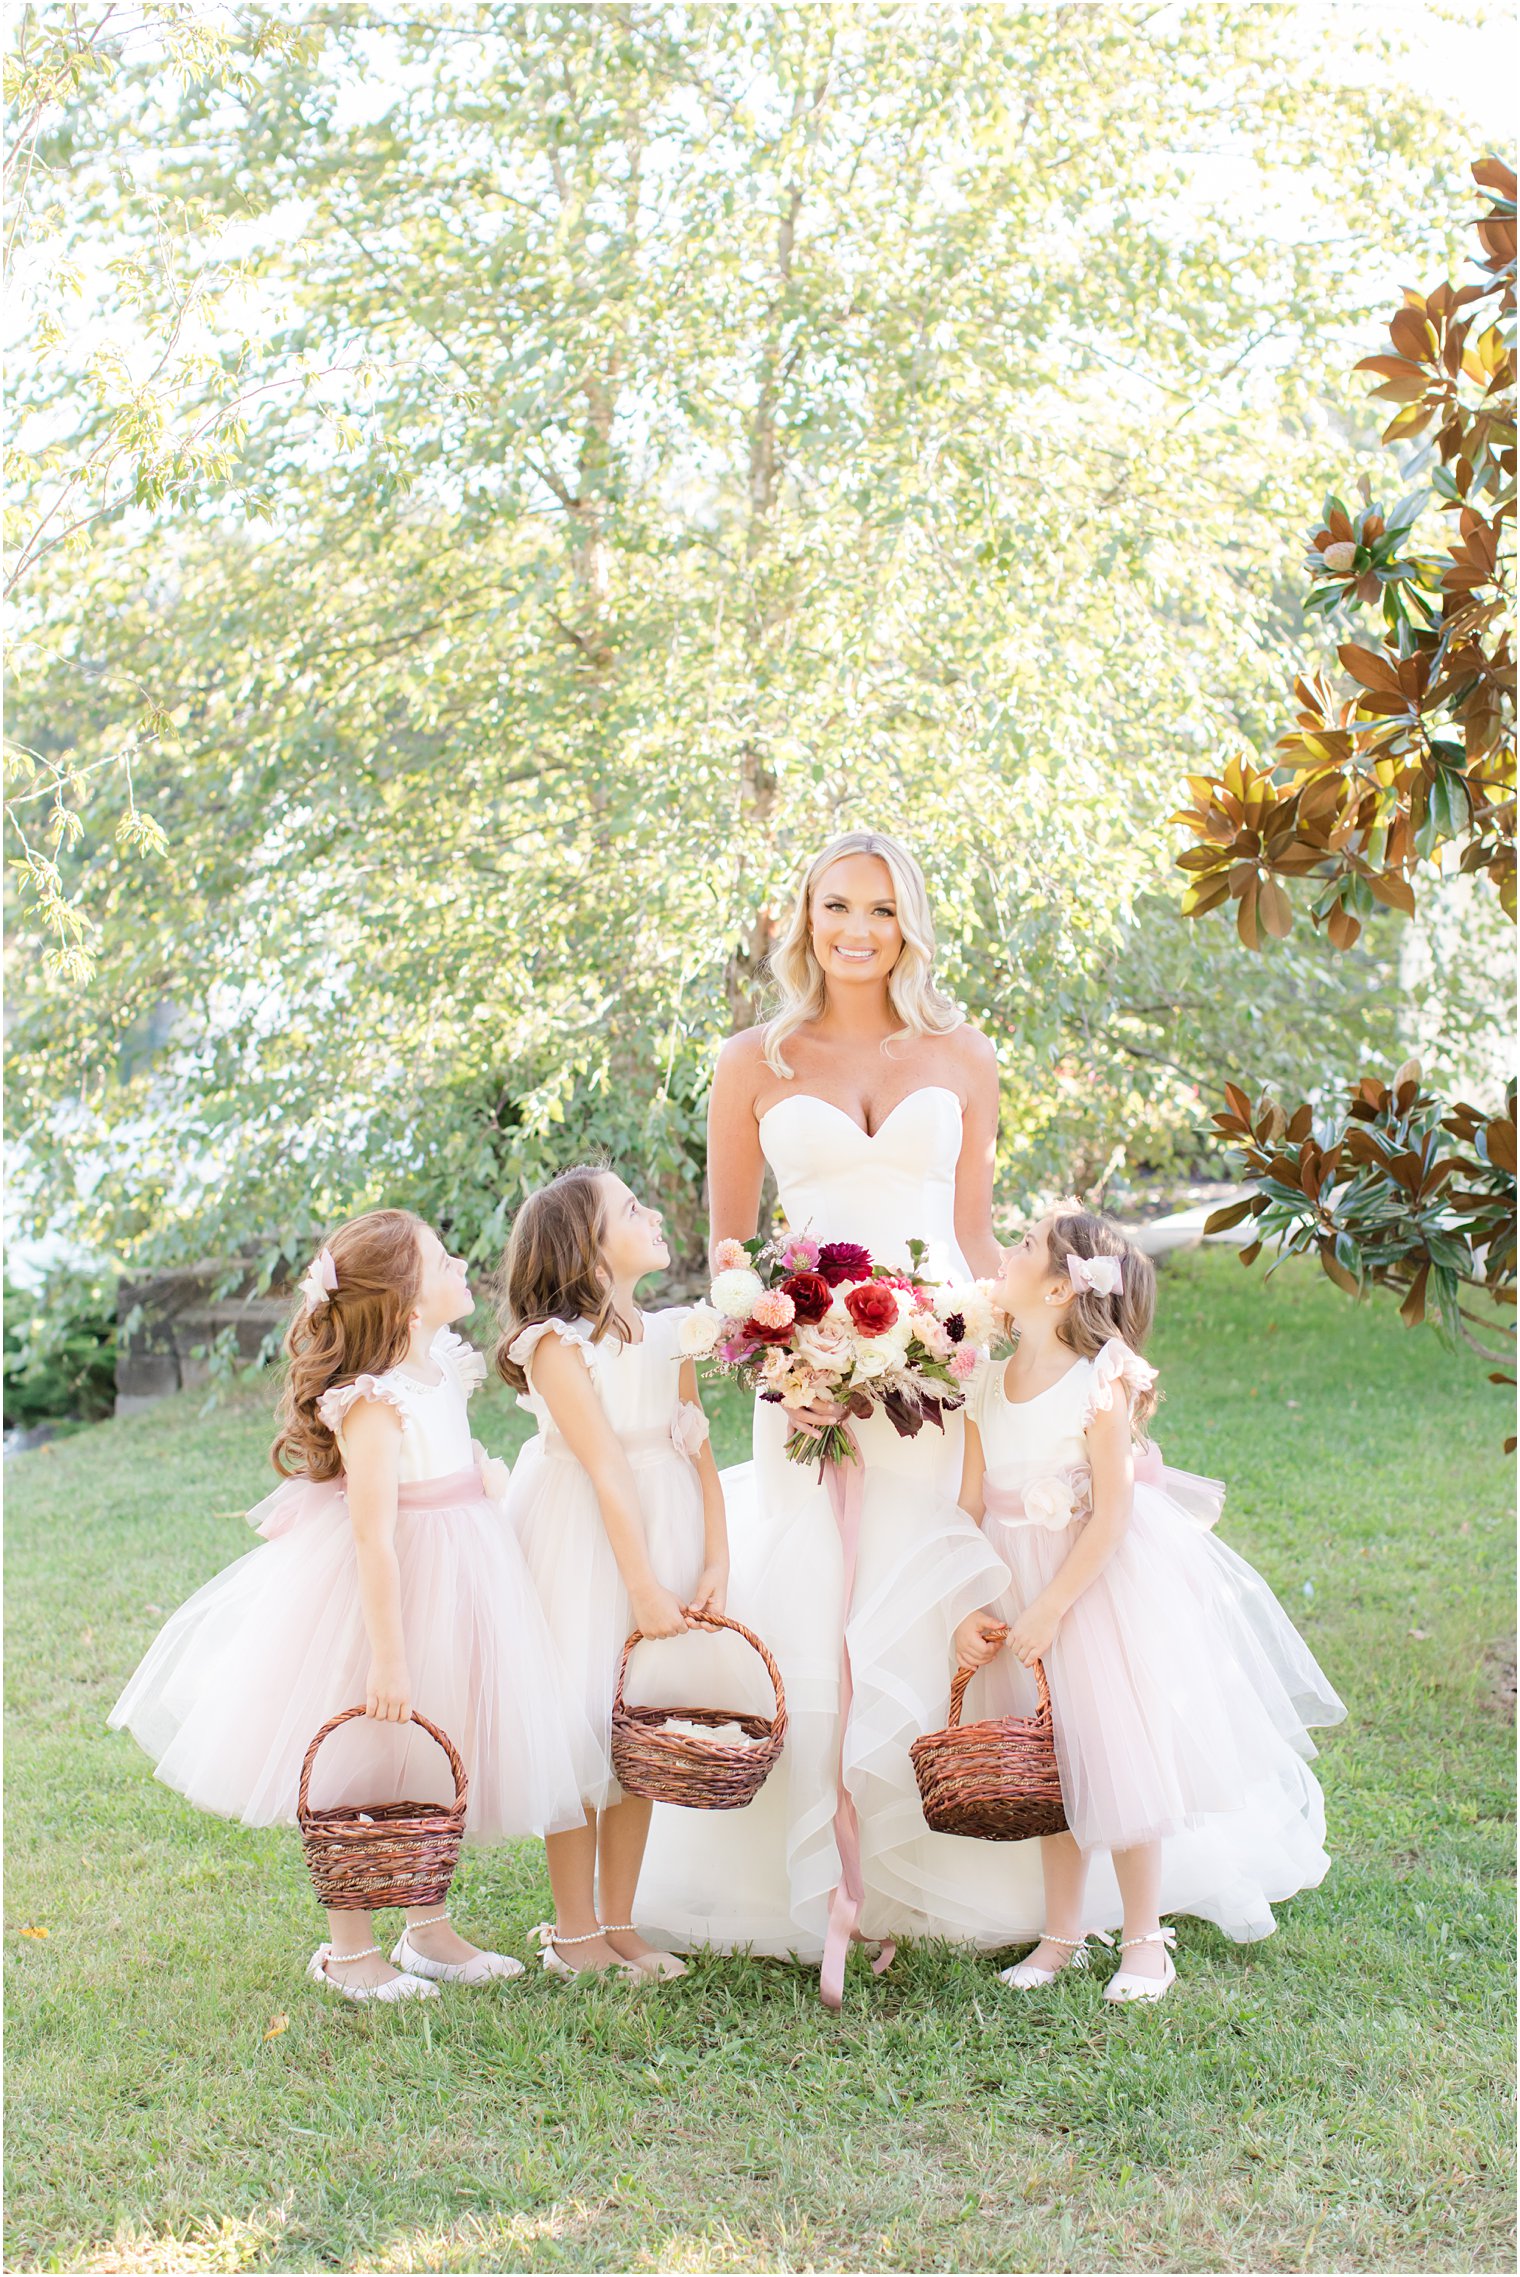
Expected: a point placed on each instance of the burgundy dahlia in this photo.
(843, 1261)
(810, 1294)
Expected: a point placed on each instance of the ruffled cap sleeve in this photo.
(1115, 1364)
(461, 1360)
(333, 1406)
(527, 1340)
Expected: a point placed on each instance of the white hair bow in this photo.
(1105, 1274)
(319, 1280)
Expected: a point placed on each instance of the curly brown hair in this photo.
(363, 1329)
(1087, 1323)
(553, 1266)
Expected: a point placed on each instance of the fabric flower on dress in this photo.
(690, 1429)
(495, 1477)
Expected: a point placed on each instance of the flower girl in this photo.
(619, 1511)
(1181, 1693)
(388, 1576)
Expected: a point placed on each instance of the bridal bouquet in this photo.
(805, 1322)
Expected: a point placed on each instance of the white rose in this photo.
(822, 1349)
(872, 1360)
(700, 1331)
(734, 1292)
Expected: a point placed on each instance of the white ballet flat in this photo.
(555, 1965)
(480, 1968)
(1126, 1986)
(395, 1988)
(662, 1966)
(1025, 1977)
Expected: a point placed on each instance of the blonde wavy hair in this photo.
(800, 979)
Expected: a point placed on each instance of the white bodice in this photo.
(883, 1188)
(638, 1385)
(435, 1422)
(1046, 1437)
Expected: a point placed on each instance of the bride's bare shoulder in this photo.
(740, 1064)
(970, 1047)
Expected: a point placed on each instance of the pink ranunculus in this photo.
(729, 1256)
(800, 1254)
(734, 1348)
(963, 1362)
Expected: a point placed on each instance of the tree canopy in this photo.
(533, 472)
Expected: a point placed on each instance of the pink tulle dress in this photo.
(238, 1681)
(553, 1505)
(1182, 1694)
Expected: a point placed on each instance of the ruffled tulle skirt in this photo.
(554, 1510)
(760, 1878)
(237, 1683)
(1183, 1698)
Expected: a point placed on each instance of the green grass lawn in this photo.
(1336, 2098)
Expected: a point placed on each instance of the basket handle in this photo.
(706, 1621)
(963, 1677)
(461, 1782)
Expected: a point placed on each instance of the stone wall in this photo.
(168, 1321)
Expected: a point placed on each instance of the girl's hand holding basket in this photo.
(658, 1612)
(388, 1692)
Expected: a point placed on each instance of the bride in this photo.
(875, 1105)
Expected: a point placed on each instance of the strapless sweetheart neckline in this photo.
(792, 1098)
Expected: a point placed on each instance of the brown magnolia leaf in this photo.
(1343, 928)
(1393, 891)
(1412, 1310)
(1301, 1124)
(1338, 1273)
(1413, 335)
(1499, 1137)
(1220, 1221)
(1493, 174)
(1204, 896)
(1239, 1105)
(1372, 670)
(1276, 909)
(1245, 918)
(1410, 1072)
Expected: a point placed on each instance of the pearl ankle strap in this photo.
(342, 1959)
(428, 1921)
(618, 1929)
(548, 1934)
(1166, 1935)
(1077, 1946)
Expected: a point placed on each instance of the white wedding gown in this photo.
(761, 1878)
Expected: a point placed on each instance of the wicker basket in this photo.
(996, 1780)
(687, 1767)
(365, 1855)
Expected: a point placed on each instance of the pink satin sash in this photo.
(846, 1485)
(302, 1498)
(1200, 1499)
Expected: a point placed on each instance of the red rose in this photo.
(763, 1335)
(810, 1294)
(873, 1307)
(843, 1261)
